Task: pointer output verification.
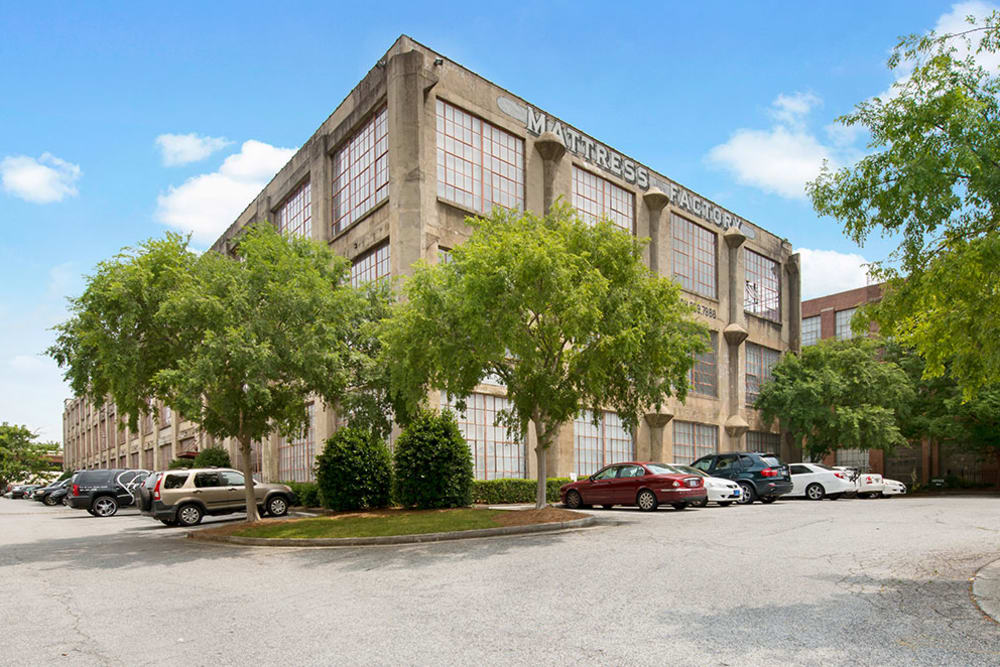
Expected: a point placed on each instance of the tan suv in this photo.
(183, 497)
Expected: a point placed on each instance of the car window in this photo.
(800, 470)
(207, 479)
(772, 461)
(703, 464)
(174, 480)
(691, 470)
(631, 471)
(607, 473)
(230, 478)
(726, 463)
(746, 461)
(661, 468)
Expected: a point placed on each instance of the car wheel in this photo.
(747, 493)
(65, 502)
(50, 501)
(646, 500)
(725, 503)
(767, 500)
(189, 515)
(105, 506)
(573, 500)
(700, 503)
(277, 506)
(815, 491)
(679, 506)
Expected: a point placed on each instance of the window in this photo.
(760, 441)
(494, 454)
(164, 456)
(207, 479)
(842, 322)
(230, 478)
(479, 166)
(810, 330)
(694, 257)
(370, 266)
(762, 292)
(799, 470)
(760, 361)
(704, 374)
(693, 441)
(444, 256)
(361, 172)
(597, 198)
(296, 456)
(174, 480)
(295, 215)
(601, 444)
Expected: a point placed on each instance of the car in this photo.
(760, 475)
(27, 491)
(721, 491)
(184, 497)
(16, 491)
(102, 491)
(816, 481)
(892, 487)
(869, 485)
(45, 494)
(639, 483)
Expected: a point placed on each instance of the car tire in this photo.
(700, 503)
(189, 515)
(277, 505)
(725, 503)
(646, 500)
(105, 506)
(65, 502)
(50, 501)
(767, 500)
(748, 494)
(679, 506)
(573, 499)
(815, 491)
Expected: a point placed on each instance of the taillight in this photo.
(768, 472)
(840, 475)
(156, 489)
(76, 489)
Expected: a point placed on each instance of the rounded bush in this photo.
(178, 464)
(212, 457)
(433, 463)
(354, 471)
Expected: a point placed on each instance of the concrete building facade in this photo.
(420, 144)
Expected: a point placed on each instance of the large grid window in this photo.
(842, 323)
(295, 215)
(296, 456)
(479, 166)
(598, 445)
(762, 292)
(692, 441)
(597, 198)
(704, 375)
(760, 362)
(494, 454)
(810, 330)
(761, 441)
(371, 266)
(361, 172)
(694, 257)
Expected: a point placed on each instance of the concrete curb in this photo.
(985, 590)
(395, 539)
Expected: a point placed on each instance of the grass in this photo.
(401, 522)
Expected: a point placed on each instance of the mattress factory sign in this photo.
(599, 155)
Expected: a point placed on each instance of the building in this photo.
(389, 178)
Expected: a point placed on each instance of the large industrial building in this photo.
(389, 178)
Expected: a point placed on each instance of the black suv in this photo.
(102, 492)
(47, 495)
(761, 476)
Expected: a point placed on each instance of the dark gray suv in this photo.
(761, 476)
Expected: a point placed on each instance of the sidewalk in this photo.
(986, 590)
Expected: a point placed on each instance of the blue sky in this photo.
(733, 100)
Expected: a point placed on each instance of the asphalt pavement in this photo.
(859, 582)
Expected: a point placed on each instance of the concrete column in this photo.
(552, 148)
(793, 275)
(735, 333)
(657, 421)
(655, 201)
(321, 191)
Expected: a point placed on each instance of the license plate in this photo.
(736, 493)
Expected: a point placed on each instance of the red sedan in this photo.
(635, 483)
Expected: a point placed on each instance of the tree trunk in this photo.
(543, 435)
(248, 479)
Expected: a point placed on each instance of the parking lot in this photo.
(797, 582)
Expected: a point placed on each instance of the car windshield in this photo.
(772, 461)
(691, 471)
(662, 469)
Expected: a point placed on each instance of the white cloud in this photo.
(42, 181)
(792, 109)
(206, 205)
(181, 149)
(828, 272)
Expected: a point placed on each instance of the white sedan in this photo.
(891, 487)
(816, 481)
(722, 491)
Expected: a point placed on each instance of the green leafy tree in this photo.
(932, 178)
(433, 464)
(354, 471)
(211, 457)
(564, 313)
(21, 458)
(181, 464)
(236, 344)
(838, 394)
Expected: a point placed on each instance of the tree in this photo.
(235, 344)
(21, 458)
(932, 178)
(838, 394)
(565, 314)
(432, 463)
(211, 457)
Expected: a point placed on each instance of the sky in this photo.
(121, 121)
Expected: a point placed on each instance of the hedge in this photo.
(306, 493)
(500, 491)
(354, 471)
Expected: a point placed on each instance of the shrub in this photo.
(354, 471)
(433, 463)
(178, 464)
(306, 493)
(212, 457)
(500, 491)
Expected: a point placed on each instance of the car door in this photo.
(601, 486)
(726, 466)
(209, 490)
(625, 486)
(235, 489)
(801, 476)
